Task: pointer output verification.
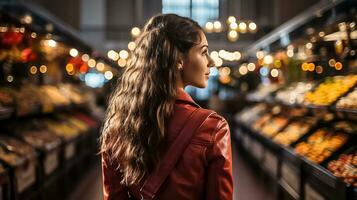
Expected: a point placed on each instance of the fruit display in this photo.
(294, 131)
(14, 145)
(349, 101)
(62, 129)
(295, 93)
(6, 99)
(90, 121)
(330, 90)
(55, 96)
(26, 99)
(262, 92)
(320, 145)
(272, 126)
(346, 126)
(73, 121)
(345, 167)
(258, 124)
(11, 158)
(41, 139)
(72, 92)
(250, 114)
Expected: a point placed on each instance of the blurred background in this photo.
(285, 79)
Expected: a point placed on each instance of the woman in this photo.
(148, 110)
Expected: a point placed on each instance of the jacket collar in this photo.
(185, 97)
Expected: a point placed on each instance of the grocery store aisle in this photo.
(247, 185)
(90, 188)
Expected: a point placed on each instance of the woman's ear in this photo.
(180, 64)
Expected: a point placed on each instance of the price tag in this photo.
(51, 162)
(291, 176)
(70, 150)
(271, 163)
(257, 150)
(311, 194)
(25, 176)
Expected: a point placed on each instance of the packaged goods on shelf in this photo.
(262, 92)
(295, 93)
(250, 114)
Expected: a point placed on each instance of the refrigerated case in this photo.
(301, 127)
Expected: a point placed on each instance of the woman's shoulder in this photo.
(210, 127)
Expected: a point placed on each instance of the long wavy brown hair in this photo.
(139, 108)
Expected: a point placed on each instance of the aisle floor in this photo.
(246, 184)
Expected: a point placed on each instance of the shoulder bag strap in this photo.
(158, 176)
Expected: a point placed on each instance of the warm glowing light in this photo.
(34, 35)
(311, 67)
(268, 59)
(217, 26)
(338, 65)
(225, 71)
(73, 52)
(319, 69)
(123, 54)
(218, 62)
(43, 69)
(242, 27)
(33, 69)
(214, 54)
(52, 43)
(209, 26)
(233, 26)
(237, 55)
(309, 45)
(122, 62)
(232, 35)
(113, 55)
(274, 73)
(135, 31)
(27, 19)
(69, 67)
(10, 78)
(231, 19)
(108, 75)
(252, 26)
(91, 63)
(243, 70)
(222, 53)
(305, 66)
(85, 57)
(251, 67)
(100, 66)
(290, 53)
(131, 46)
(332, 62)
(260, 54)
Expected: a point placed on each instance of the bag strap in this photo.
(158, 176)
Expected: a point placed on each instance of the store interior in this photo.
(285, 78)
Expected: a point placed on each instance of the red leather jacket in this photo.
(203, 172)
